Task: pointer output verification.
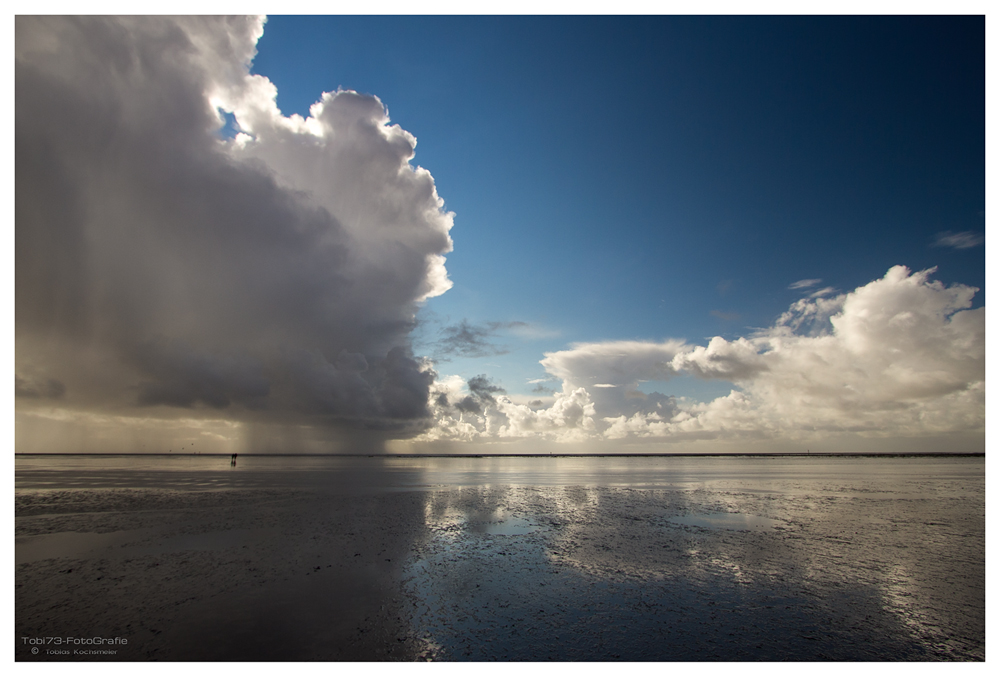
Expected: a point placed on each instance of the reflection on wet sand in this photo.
(509, 559)
(706, 574)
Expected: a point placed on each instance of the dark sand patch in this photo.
(311, 577)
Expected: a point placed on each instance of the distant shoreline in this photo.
(612, 455)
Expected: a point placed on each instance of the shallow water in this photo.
(119, 544)
(738, 558)
(784, 475)
(733, 521)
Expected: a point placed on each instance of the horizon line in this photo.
(594, 455)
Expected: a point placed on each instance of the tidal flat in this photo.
(737, 558)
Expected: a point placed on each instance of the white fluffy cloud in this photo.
(618, 363)
(903, 355)
(611, 372)
(468, 416)
(163, 266)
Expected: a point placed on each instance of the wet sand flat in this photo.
(503, 559)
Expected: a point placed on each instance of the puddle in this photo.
(215, 540)
(734, 521)
(82, 545)
(514, 526)
(495, 522)
(72, 544)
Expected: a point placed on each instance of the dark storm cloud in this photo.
(480, 397)
(182, 377)
(470, 405)
(45, 388)
(470, 340)
(483, 387)
(159, 263)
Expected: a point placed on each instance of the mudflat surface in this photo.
(516, 559)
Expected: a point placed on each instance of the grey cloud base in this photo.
(159, 265)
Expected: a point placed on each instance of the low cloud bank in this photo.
(901, 356)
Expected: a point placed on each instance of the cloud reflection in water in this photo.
(603, 573)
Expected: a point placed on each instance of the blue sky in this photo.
(665, 177)
(347, 233)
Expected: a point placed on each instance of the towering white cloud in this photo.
(160, 264)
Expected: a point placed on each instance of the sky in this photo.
(500, 234)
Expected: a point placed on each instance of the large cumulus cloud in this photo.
(163, 266)
(901, 356)
(896, 355)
